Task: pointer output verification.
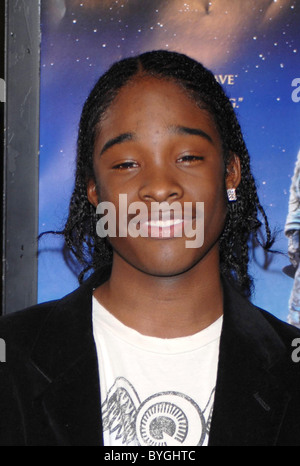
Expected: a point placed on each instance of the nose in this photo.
(160, 185)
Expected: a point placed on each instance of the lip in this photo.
(163, 228)
(163, 223)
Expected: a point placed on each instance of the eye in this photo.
(125, 165)
(190, 158)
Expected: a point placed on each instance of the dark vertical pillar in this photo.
(2, 98)
(21, 153)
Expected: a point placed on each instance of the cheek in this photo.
(215, 205)
(210, 188)
(109, 188)
(105, 189)
(215, 214)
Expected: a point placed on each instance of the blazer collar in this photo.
(249, 401)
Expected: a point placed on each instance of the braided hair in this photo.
(242, 221)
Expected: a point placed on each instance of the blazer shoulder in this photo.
(20, 328)
(46, 321)
(285, 330)
(289, 337)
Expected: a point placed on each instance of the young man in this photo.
(159, 346)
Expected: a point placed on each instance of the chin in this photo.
(163, 261)
(164, 268)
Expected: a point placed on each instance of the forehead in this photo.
(148, 101)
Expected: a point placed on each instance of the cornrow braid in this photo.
(245, 217)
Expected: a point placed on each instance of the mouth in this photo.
(163, 222)
(163, 228)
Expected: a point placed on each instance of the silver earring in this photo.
(231, 194)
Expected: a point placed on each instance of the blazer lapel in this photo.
(250, 402)
(65, 362)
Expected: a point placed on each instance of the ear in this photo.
(92, 192)
(233, 172)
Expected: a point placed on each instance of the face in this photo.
(156, 146)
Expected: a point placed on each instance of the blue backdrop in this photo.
(253, 49)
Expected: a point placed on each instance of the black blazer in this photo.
(49, 385)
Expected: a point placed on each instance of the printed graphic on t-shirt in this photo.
(163, 419)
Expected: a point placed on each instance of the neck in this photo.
(165, 307)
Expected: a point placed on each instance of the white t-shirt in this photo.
(155, 391)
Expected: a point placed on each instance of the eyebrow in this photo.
(173, 129)
(190, 131)
(117, 140)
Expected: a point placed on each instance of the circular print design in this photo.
(170, 419)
